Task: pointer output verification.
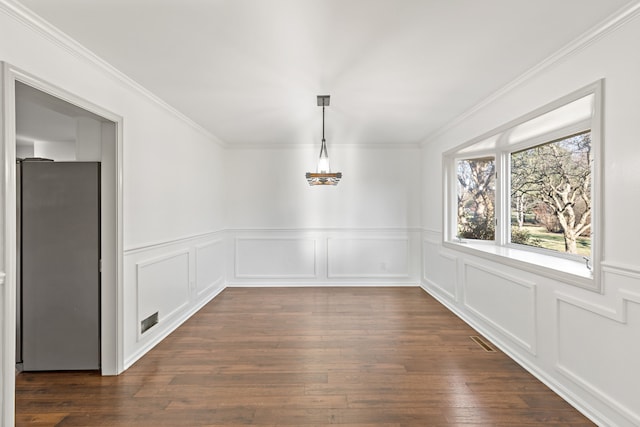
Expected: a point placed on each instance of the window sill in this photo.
(557, 268)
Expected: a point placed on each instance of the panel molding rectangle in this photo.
(209, 272)
(601, 326)
(275, 258)
(437, 281)
(526, 323)
(362, 258)
(162, 284)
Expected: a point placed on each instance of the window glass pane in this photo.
(476, 193)
(551, 195)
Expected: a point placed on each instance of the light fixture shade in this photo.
(323, 178)
(323, 174)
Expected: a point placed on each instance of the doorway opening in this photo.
(41, 120)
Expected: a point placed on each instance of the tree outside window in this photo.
(551, 195)
(476, 192)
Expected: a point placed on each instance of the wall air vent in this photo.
(147, 323)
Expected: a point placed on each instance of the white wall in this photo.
(365, 230)
(197, 217)
(584, 344)
(173, 185)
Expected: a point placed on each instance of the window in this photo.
(527, 193)
(476, 197)
(551, 195)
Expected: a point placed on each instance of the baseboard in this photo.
(578, 403)
(175, 324)
(299, 284)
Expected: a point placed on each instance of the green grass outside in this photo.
(555, 241)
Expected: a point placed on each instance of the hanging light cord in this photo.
(323, 121)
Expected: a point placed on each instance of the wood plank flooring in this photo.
(305, 357)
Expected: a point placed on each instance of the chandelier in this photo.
(323, 175)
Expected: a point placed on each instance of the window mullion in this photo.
(502, 199)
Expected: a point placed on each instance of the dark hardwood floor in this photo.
(302, 357)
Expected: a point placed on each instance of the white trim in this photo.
(7, 123)
(574, 400)
(432, 236)
(163, 243)
(530, 347)
(403, 275)
(327, 230)
(172, 326)
(27, 17)
(112, 305)
(298, 284)
(162, 317)
(529, 258)
(236, 269)
(610, 24)
(493, 253)
(594, 88)
(618, 312)
(111, 357)
(445, 255)
(194, 283)
(435, 287)
(618, 315)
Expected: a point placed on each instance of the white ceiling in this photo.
(249, 71)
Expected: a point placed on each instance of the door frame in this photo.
(112, 322)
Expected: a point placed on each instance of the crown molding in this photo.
(610, 24)
(30, 19)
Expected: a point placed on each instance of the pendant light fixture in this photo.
(323, 175)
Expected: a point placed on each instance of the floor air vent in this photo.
(148, 322)
(482, 343)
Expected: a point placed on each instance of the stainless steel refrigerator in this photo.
(58, 265)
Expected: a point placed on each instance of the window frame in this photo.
(569, 268)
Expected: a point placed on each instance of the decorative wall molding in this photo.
(615, 314)
(633, 417)
(162, 285)
(609, 25)
(526, 336)
(203, 282)
(434, 283)
(616, 309)
(432, 236)
(164, 243)
(515, 353)
(171, 326)
(353, 230)
(365, 259)
(265, 254)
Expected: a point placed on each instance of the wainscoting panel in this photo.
(588, 355)
(173, 278)
(275, 258)
(368, 257)
(163, 286)
(209, 266)
(589, 338)
(582, 344)
(505, 302)
(439, 269)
